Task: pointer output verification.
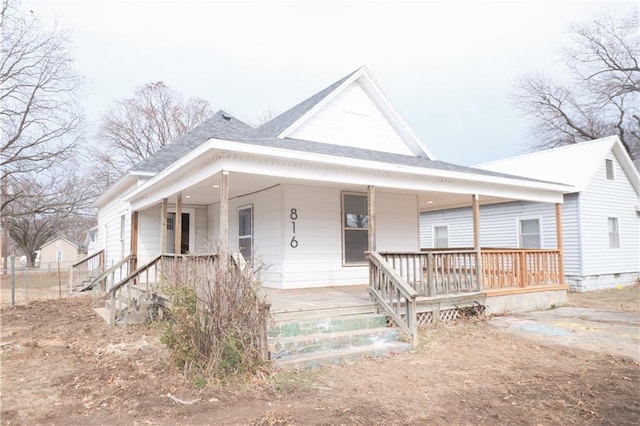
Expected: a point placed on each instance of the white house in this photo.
(600, 216)
(301, 192)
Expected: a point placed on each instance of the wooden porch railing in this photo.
(505, 268)
(394, 295)
(437, 273)
(85, 270)
(116, 272)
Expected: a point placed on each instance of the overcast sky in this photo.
(449, 67)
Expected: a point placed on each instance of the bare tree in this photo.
(602, 97)
(135, 128)
(40, 116)
(50, 206)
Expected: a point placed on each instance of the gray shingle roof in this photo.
(223, 126)
(220, 125)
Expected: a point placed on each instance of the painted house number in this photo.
(293, 215)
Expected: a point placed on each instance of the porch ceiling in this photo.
(240, 184)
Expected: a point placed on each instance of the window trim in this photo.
(607, 162)
(618, 233)
(61, 253)
(252, 236)
(192, 225)
(540, 232)
(433, 235)
(343, 227)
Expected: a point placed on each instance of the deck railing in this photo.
(510, 268)
(393, 294)
(437, 273)
(85, 270)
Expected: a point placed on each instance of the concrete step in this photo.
(102, 313)
(336, 356)
(288, 346)
(327, 325)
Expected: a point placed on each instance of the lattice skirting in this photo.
(428, 318)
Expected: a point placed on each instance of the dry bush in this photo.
(216, 326)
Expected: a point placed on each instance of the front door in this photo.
(171, 233)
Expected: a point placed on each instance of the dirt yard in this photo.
(63, 365)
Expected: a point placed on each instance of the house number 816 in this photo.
(293, 215)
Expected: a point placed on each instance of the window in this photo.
(614, 233)
(355, 226)
(59, 256)
(529, 230)
(245, 231)
(609, 168)
(440, 237)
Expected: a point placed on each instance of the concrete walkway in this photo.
(614, 333)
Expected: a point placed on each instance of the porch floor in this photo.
(304, 299)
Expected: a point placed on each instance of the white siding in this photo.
(267, 234)
(109, 219)
(352, 119)
(317, 260)
(149, 234)
(498, 224)
(610, 198)
(571, 241)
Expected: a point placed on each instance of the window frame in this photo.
(250, 237)
(540, 232)
(344, 228)
(59, 256)
(433, 235)
(609, 169)
(617, 233)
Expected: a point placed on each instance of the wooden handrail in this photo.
(402, 292)
(110, 271)
(82, 270)
(88, 258)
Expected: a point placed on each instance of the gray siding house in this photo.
(600, 219)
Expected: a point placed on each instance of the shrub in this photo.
(216, 326)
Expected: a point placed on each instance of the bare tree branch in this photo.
(603, 96)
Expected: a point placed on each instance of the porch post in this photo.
(559, 242)
(134, 241)
(371, 207)
(178, 226)
(163, 226)
(475, 203)
(224, 219)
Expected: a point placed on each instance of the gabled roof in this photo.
(70, 241)
(287, 119)
(570, 164)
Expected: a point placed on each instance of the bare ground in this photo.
(61, 364)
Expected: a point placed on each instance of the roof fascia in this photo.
(627, 164)
(375, 166)
(121, 185)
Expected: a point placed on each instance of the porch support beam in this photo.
(163, 225)
(134, 241)
(559, 242)
(475, 204)
(224, 219)
(178, 227)
(371, 207)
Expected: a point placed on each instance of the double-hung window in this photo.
(441, 236)
(529, 233)
(614, 233)
(245, 231)
(355, 228)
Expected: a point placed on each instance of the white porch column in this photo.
(475, 203)
(371, 207)
(178, 225)
(224, 219)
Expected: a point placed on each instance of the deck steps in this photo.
(309, 343)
